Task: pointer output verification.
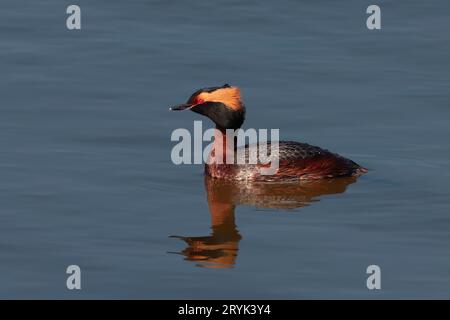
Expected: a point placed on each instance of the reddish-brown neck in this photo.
(223, 145)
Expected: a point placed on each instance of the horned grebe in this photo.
(297, 161)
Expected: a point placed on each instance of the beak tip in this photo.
(181, 107)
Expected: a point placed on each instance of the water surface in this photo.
(86, 176)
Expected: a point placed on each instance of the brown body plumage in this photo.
(297, 161)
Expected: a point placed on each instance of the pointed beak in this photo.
(181, 107)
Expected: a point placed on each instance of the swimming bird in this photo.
(296, 160)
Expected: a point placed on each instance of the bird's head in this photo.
(222, 105)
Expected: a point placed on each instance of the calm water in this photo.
(85, 170)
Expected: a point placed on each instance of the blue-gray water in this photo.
(85, 170)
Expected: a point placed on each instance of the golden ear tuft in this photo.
(230, 96)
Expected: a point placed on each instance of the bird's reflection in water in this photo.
(220, 249)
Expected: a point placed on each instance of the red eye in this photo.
(199, 101)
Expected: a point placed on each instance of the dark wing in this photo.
(301, 160)
(287, 150)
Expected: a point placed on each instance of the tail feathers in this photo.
(360, 171)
